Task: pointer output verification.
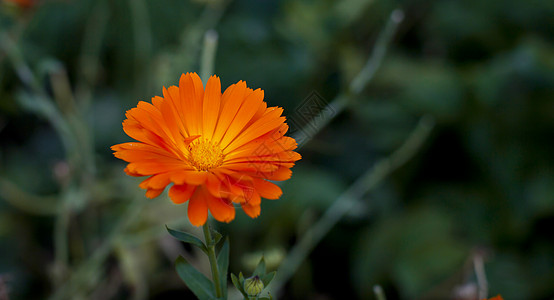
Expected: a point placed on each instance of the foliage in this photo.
(482, 185)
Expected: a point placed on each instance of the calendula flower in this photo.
(216, 149)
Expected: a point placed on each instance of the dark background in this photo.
(481, 186)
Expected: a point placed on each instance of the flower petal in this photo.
(153, 193)
(181, 193)
(198, 208)
(189, 176)
(253, 211)
(267, 189)
(231, 100)
(221, 210)
(212, 103)
(245, 113)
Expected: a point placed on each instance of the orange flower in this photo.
(217, 149)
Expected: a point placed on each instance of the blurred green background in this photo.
(72, 225)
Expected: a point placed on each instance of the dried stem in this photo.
(347, 200)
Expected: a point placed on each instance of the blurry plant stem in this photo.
(70, 126)
(359, 82)
(191, 37)
(142, 37)
(479, 267)
(86, 274)
(372, 177)
(30, 203)
(348, 199)
(40, 103)
(89, 59)
(210, 244)
(208, 54)
(379, 293)
(61, 225)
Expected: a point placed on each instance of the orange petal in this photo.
(214, 185)
(191, 92)
(181, 193)
(232, 99)
(198, 208)
(189, 176)
(254, 199)
(267, 189)
(279, 174)
(212, 103)
(158, 181)
(245, 113)
(265, 124)
(221, 210)
(153, 193)
(152, 167)
(253, 211)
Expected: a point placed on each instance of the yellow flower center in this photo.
(205, 155)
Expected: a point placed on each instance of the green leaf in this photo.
(201, 286)
(241, 279)
(216, 236)
(238, 285)
(223, 265)
(260, 269)
(187, 238)
(269, 297)
(266, 279)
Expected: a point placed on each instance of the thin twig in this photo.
(479, 267)
(30, 203)
(84, 274)
(208, 54)
(348, 199)
(142, 35)
(379, 293)
(89, 58)
(358, 83)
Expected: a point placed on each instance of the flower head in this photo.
(253, 286)
(217, 149)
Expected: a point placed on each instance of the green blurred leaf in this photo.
(223, 265)
(260, 269)
(415, 249)
(216, 236)
(201, 286)
(266, 279)
(187, 238)
(238, 284)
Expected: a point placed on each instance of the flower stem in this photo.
(213, 261)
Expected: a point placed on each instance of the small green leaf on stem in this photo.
(260, 269)
(223, 265)
(187, 238)
(266, 279)
(201, 286)
(216, 236)
(238, 284)
(241, 279)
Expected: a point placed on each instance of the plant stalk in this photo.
(213, 260)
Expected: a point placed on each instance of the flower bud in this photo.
(253, 286)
